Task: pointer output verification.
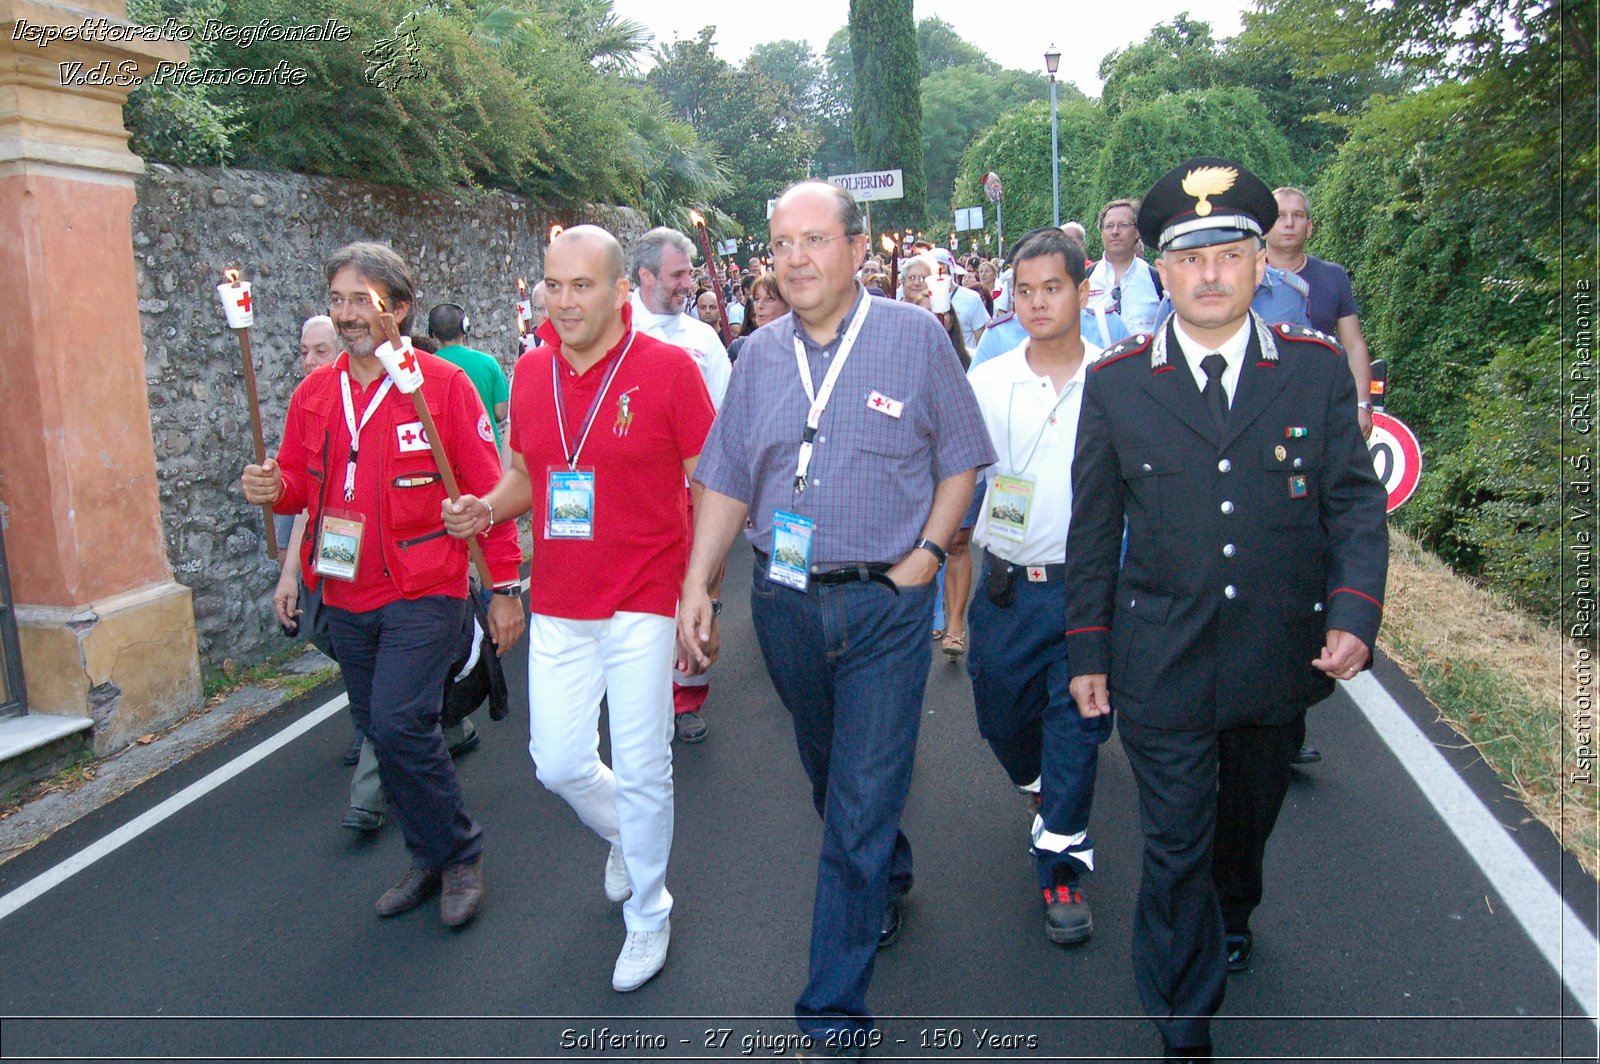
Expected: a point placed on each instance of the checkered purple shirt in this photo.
(872, 476)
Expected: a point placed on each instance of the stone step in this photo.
(31, 743)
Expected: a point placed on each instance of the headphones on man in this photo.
(466, 322)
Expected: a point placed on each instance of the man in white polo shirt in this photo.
(1030, 397)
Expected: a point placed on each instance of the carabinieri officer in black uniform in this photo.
(1257, 553)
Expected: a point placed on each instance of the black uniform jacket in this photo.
(1244, 545)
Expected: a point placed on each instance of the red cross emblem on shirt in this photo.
(1035, 574)
(409, 361)
(409, 437)
(879, 401)
(244, 300)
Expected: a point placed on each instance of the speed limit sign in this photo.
(1396, 457)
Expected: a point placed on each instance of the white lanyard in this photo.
(819, 400)
(355, 429)
(594, 407)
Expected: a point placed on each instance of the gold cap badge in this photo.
(1205, 181)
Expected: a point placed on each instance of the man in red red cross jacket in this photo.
(355, 456)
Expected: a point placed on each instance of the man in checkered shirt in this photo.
(850, 440)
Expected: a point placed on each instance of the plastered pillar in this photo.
(105, 631)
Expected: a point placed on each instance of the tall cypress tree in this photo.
(888, 104)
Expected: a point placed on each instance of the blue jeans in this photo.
(850, 663)
(394, 661)
(1018, 663)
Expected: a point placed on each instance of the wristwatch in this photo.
(1364, 405)
(716, 607)
(932, 548)
(510, 590)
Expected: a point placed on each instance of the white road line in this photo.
(1569, 947)
(142, 823)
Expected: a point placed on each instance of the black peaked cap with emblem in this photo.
(1206, 201)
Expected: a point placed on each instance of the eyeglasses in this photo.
(783, 247)
(358, 302)
(1115, 227)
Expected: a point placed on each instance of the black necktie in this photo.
(1216, 396)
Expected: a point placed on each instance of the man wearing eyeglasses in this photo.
(850, 440)
(1122, 282)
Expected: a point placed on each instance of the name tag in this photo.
(569, 513)
(884, 405)
(791, 550)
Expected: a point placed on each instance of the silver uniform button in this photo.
(1317, 608)
(1147, 467)
(1298, 463)
(1224, 465)
(1230, 591)
(1227, 507)
(1227, 550)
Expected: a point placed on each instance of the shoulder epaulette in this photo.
(1289, 330)
(1136, 344)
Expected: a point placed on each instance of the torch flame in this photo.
(556, 230)
(522, 284)
(375, 300)
(888, 243)
(697, 218)
(232, 276)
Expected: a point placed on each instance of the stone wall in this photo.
(189, 226)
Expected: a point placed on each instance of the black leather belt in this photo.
(861, 572)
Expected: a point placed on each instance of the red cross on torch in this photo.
(391, 335)
(242, 299)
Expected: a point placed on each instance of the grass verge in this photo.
(1495, 677)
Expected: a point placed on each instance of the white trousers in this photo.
(626, 658)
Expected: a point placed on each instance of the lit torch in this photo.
(524, 314)
(399, 360)
(893, 251)
(240, 309)
(716, 282)
(555, 231)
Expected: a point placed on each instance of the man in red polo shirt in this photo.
(604, 429)
(354, 456)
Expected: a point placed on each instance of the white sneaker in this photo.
(617, 886)
(642, 956)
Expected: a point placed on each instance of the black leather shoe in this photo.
(893, 918)
(1239, 947)
(362, 820)
(414, 888)
(1306, 755)
(467, 745)
(352, 753)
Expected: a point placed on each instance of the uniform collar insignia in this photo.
(1269, 346)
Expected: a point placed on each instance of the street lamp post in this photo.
(1052, 62)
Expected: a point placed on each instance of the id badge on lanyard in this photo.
(569, 509)
(791, 550)
(1010, 502)
(338, 553)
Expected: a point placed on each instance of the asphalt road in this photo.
(242, 927)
